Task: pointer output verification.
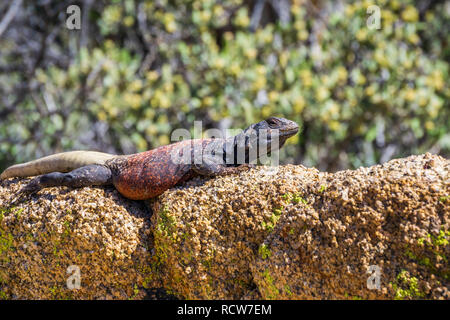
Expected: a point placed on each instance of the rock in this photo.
(388, 220)
(304, 234)
(288, 233)
(96, 230)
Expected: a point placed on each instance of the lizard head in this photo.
(265, 136)
(272, 130)
(277, 128)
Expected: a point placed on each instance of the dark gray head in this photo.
(271, 129)
(264, 137)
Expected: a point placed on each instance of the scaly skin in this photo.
(148, 174)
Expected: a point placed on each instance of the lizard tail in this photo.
(60, 162)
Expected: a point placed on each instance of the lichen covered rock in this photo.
(340, 230)
(207, 232)
(100, 234)
(298, 233)
(275, 233)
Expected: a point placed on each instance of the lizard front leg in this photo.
(209, 167)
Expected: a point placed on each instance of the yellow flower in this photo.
(219, 63)
(387, 17)
(322, 93)
(141, 144)
(205, 16)
(299, 104)
(250, 53)
(197, 5)
(334, 125)
(169, 22)
(235, 69)
(228, 36)
(164, 102)
(171, 27)
(259, 83)
(151, 131)
(300, 25)
(370, 90)
(435, 105)
(413, 38)
(306, 77)
(325, 80)
(113, 13)
(361, 79)
(410, 14)
(132, 99)
(102, 116)
(361, 35)
(333, 109)
(218, 10)
(160, 100)
(168, 87)
(408, 63)
(265, 36)
(296, 9)
(435, 80)
(380, 58)
(341, 73)
(410, 94)
(261, 70)
(395, 4)
(266, 111)
(149, 114)
(325, 117)
(152, 76)
(429, 125)
(208, 101)
(242, 18)
(293, 140)
(284, 57)
(135, 85)
(273, 96)
(422, 101)
(109, 44)
(113, 112)
(163, 140)
(302, 35)
(350, 10)
(368, 3)
(128, 21)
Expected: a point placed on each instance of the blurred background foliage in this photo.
(138, 69)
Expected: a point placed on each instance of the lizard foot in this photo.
(235, 170)
(246, 166)
(32, 187)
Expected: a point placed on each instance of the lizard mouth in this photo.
(287, 132)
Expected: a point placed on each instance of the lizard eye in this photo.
(271, 121)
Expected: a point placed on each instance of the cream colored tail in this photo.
(60, 162)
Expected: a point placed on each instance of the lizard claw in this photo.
(31, 187)
(246, 166)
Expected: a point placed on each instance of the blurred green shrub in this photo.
(362, 96)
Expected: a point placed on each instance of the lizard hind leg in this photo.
(90, 175)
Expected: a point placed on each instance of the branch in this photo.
(9, 16)
(282, 8)
(257, 14)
